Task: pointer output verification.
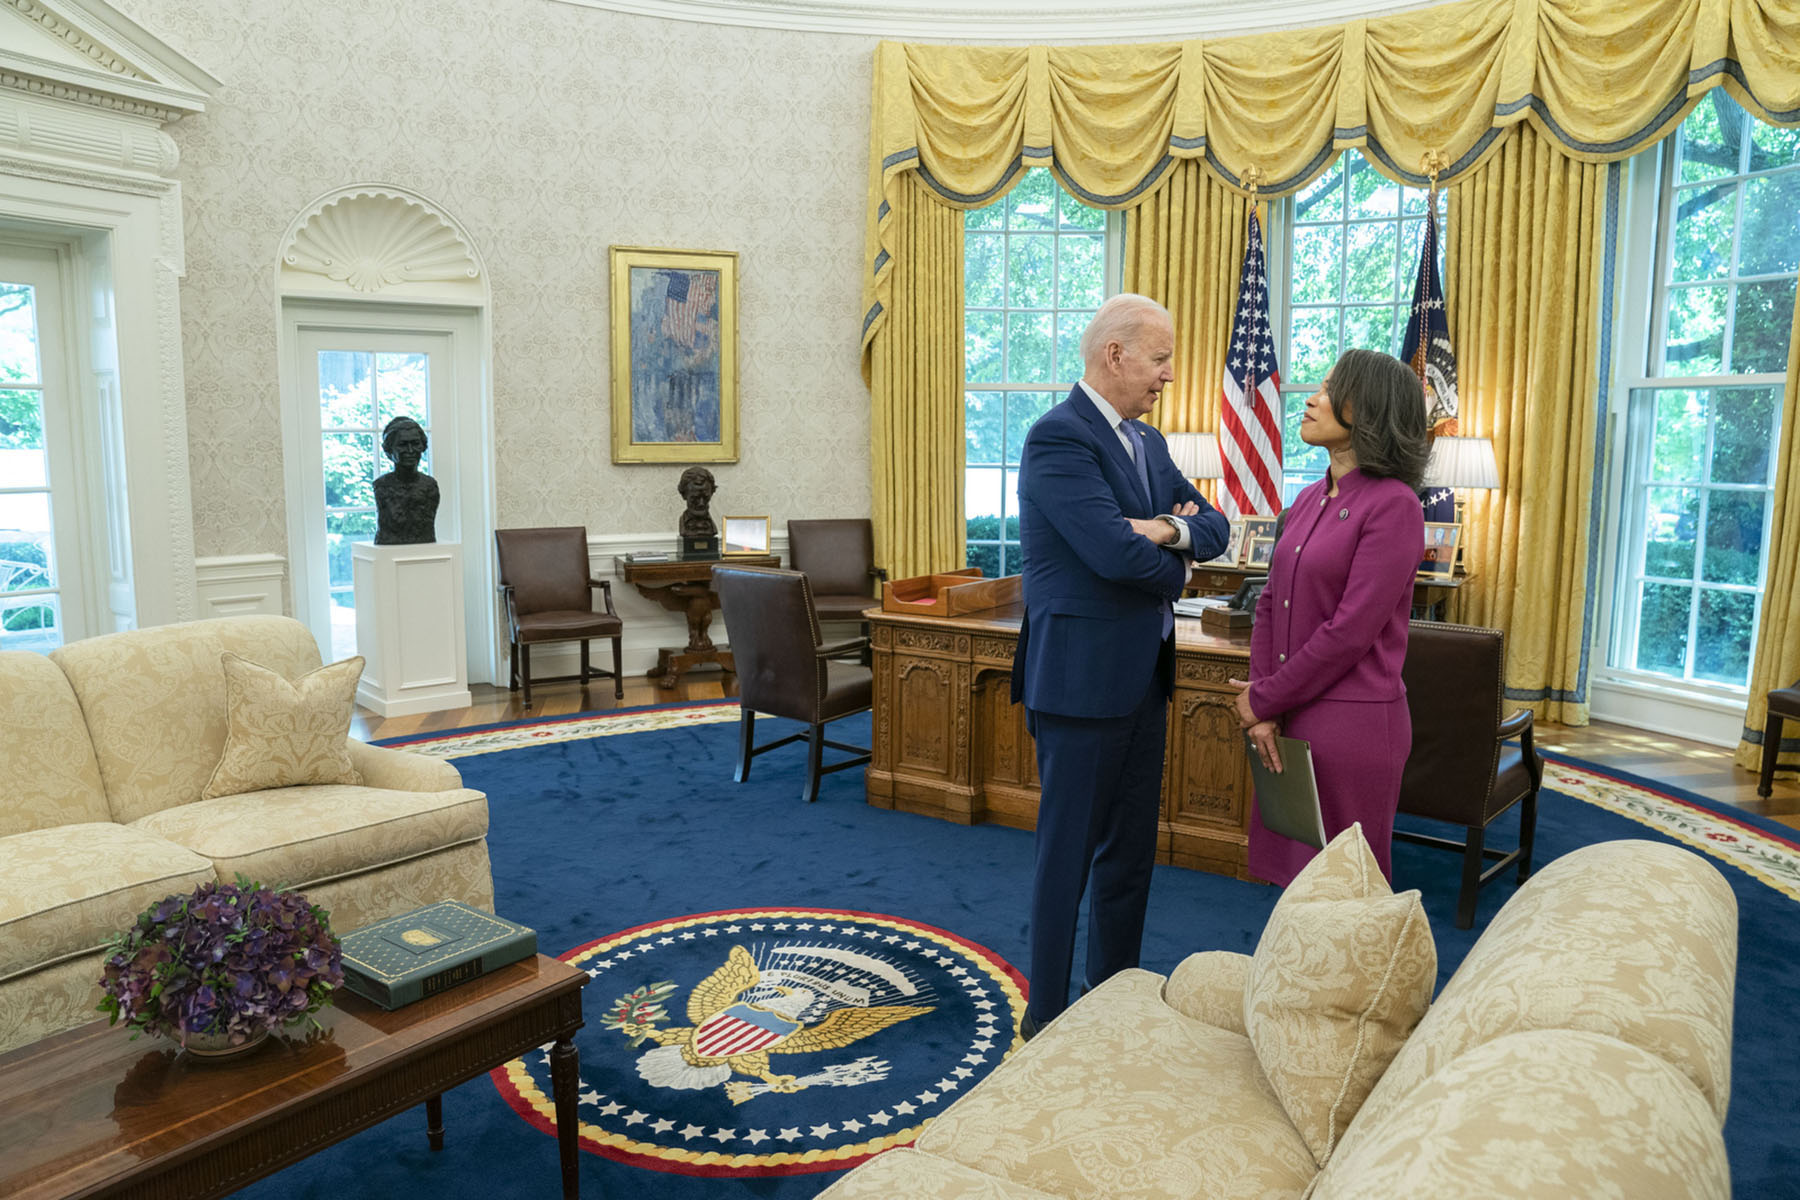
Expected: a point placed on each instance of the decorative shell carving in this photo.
(373, 239)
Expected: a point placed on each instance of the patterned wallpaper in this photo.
(550, 132)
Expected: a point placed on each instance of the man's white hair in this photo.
(1120, 320)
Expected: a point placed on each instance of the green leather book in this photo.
(407, 958)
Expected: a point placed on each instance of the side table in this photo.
(684, 585)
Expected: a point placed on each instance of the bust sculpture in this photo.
(406, 499)
(697, 487)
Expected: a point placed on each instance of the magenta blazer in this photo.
(1331, 624)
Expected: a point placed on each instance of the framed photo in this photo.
(1234, 547)
(1262, 552)
(1255, 529)
(674, 355)
(744, 535)
(1442, 538)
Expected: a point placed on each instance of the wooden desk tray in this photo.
(949, 594)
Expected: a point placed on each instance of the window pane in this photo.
(1028, 352)
(1318, 264)
(1771, 147)
(1298, 458)
(1771, 244)
(26, 545)
(1696, 340)
(1076, 215)
(1707, 145)
(981, 500)
(1372, 194)
(1744, 427)
(1323, 198)
(342, 530)
(31, 623)
(984, 270)
(1671, 517)
(985, 555)
(992, 216)
(1011, 532)
(346, 397)
(1022, 411)
(22, 459)
(1030, 274)
(403, 388)
(1734, 522)
(350, 469)
(981, 347)
(1679, 439)
(1371, 329)
(981, 426)
(1663, 628)
(1314, 344)
(1080, 271)
(1069, 328)
(1032, 205)
(1759, 338)
(1015, 558)
(1723, 637)
(18, 333)
(1704, 219)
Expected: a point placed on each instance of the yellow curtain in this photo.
(915, 385)
(1522, 295)
(1183, 247)
(1777, 661)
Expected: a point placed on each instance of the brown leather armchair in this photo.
(1460, 769)
(548, 594)
(838, 560)
(783, 668)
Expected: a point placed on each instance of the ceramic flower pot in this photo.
(218, 1045)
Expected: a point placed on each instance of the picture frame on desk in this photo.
(674, 355)
(744, 536)
(1234, 548)
(1257, 528)
(1438, 559)
(1261, 553)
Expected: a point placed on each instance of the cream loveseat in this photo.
(108, 744)
(1582, 1049)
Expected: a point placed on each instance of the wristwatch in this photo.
(1171, 522)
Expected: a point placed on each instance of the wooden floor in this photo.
(1705, 770)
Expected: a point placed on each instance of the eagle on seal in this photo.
(730, 1034)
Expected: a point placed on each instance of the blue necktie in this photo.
(1137, 457)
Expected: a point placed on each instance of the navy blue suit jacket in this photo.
(1094, 588)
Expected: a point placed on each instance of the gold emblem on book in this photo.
(418, 937)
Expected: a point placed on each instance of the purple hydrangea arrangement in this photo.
(231, 959)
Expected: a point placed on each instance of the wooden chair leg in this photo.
(1771, 752)
(1527, 832)
(1471, 879)
(513, 669)
(525, 671)
(586, 670)
(746, 742)
(618, 670)
(815, 759)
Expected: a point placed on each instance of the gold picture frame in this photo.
(743, 536)
(1256, 528)
(1442, 541)
(674, 355)
(1261, 553)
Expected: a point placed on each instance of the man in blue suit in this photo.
(1109, 527)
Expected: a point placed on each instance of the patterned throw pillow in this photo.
(282, 734)
(1342, 974)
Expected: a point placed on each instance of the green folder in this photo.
(1288, 800)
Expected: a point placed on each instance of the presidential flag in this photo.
(1427, 349)
(1250, 412)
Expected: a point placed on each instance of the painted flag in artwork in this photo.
(689, 300)
(1427, 350)
(1250, 412)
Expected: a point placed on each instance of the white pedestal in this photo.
(409, 627)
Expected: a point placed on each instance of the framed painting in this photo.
(674, 355)
(745, 535)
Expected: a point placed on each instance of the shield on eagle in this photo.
(740, 1029)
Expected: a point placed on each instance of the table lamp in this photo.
(1461, 462)
(1196, 455)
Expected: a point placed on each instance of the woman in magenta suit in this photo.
(1330, 631)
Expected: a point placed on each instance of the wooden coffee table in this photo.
(89, 1112)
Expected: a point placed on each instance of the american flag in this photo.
(689, 300)
(1427, 348)
(1250, 416)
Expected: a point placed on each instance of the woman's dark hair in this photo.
(1386, 415)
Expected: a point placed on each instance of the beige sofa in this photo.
(108, 745)
(1581, 1049)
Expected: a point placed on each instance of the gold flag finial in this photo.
(1432, 163)
(1253, 178)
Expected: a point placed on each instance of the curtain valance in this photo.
(1601, 80)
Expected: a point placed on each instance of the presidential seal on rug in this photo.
(765, 1041)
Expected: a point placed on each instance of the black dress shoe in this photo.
(1028, 1028)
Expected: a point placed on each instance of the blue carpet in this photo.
(606, 834)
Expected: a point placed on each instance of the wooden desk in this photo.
(684, 585)
(950, 743)
(91, 1113)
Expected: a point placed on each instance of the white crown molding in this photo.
(1017, 21)
(370, 238)
(79, 141)
(122, 67)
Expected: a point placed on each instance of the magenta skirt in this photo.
(1359, 750)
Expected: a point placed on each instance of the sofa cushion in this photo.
(1548, 1113)
(154, 700)
(1122, 1096)
(905, 1174)
(48, 775)
(1341, 975)
(293, 837)
(1209, 987)
(284, 734)
(65, 890)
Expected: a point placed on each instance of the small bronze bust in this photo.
(406, 499)
(697, 487)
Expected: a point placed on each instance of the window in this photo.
(1695, 506)
(1353, 256)
(1035, 268)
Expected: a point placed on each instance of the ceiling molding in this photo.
(1019, 22)
(87, 52)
